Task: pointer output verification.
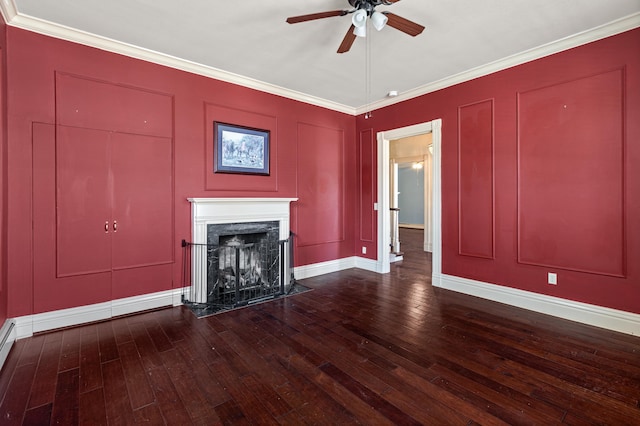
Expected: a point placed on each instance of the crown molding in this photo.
(607, 30)
(13, 18)
(40, 26)
(8, 10)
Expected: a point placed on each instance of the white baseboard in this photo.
(598, 316)
(29, 324)
(366, 264)
(313, 270)
(611, 319)
(7, 337)
(411, 226)
(144, 302)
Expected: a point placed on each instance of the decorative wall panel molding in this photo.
(476, 194)
(320, 210)
(571, 175)
(101, 105)
(367, 185)
(239, 182)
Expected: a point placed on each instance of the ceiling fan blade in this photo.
(312, 16)
(347, 41)
(403, 24)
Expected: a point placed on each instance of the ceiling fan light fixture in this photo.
(379, 20)
(359, 18)
(360, 31)
(360, 11)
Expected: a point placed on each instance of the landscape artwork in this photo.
(241, 149)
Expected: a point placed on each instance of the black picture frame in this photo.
(240, 149)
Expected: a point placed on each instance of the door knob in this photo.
(115, 226)
(106, 227)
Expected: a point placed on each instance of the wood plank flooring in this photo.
(360, 348)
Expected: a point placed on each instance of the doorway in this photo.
(384, 227)
(411, 189)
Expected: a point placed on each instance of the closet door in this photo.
(83, 210)
(142, 209)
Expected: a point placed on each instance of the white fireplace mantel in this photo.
(209, 211)
(206, 211)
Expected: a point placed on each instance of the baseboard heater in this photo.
(6, 342)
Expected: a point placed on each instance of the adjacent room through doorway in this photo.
(410, 165)
(418, 145)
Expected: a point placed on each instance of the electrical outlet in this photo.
(552, 278)
(364, 250)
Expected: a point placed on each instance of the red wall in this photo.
(3, 177)
(312, 153)
(566, 123)
(539, 173)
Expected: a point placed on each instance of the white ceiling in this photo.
(249, 41)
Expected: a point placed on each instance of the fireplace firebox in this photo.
(243, 262)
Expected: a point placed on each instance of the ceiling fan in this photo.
(363, 10)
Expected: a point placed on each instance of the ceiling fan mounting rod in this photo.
(368, 5)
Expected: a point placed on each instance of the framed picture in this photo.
(239, 149)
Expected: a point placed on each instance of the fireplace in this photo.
(235, 242)
(243, 262)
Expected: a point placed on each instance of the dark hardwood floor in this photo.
(359, 348)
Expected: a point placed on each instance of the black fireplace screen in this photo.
(236, 270)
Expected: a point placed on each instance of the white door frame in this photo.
(427, 243)
(384, 227)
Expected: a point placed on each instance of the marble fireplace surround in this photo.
(206, 211)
